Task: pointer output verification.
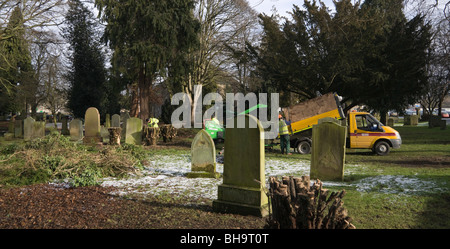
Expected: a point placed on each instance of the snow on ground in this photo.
(166, 174)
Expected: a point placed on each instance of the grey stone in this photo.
(328, 151)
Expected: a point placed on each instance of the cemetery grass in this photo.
(424, 158)
(410, 187)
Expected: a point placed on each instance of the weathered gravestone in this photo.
(244, 171)
(104, 133)
(390, 122)
(33, 129)
(115, 120)
(411, 120)
(107, 121)
(18, 128)
(76, 130)
(203, 156)
(64, 127)
(92, 126)
(328, 151)
(133, 134)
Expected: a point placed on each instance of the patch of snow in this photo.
(167, 174)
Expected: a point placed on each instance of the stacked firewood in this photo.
(298, 205)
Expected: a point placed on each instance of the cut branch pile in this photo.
(298, 205)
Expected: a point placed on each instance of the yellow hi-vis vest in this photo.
(153, 122)
(283, 128)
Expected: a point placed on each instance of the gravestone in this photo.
(38, 130)
(411, 120)
(390, 122)
(133, 134)
(107, 121)
(328, 151)
(115, 120)
(434, 121)
(18, 128)
(92, 126)
(64, 127)
(28, 128)
(33, 129)
(203, 156)
(11, 125)
(244, 171)
(104, 133)
(76, 130)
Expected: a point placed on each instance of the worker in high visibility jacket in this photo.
(284, 136)
(152, 122)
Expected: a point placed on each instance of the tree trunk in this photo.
(298, 205)
(134, 108)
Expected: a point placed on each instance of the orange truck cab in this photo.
(366, 132)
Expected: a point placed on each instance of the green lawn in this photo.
(423, 159)
(409, 188)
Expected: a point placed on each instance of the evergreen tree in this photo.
(87, 75)
(369, 54)
(148, 37)
(16, 72)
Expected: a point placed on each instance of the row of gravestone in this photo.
(95, 133)
(92, 132)
(242, 190)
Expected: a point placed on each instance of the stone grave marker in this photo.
(244, 171)
(203, 156)
(64, 125)
(18, 128)
(411, 120)
(76, 130)
(104, 133)
(33, 129)
(328, 151)
(133, 134)
(92, 126)
(107, 121)
(28, 128)
(390, 122)
(115, 120)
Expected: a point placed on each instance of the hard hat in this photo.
(279, 115)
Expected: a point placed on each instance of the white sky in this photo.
(282, 6)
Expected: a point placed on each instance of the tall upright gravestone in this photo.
(133, 134)
(64, 127)
(328, 150)
(18, 128)
(92, 126)
(203, 156)
(244, 171)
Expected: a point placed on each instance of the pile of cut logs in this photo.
(298, 205)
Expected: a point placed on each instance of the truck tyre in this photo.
(303, 147)
(381, 148)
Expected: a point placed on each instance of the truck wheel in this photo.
(381, 148)
(303, 147)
